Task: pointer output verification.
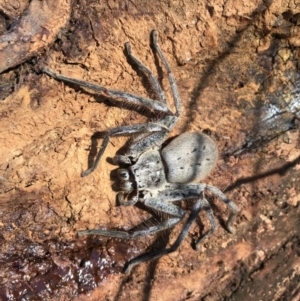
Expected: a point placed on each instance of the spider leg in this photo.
(150, 104)
(188, 192)
(119, 131)
(172, 81)
(201, 203)
(144, 141)
(191, 191)
(151, 78)
(212, 221)
(166, 224)
(235, 209)
(153, 203)
(152, 255)
(141, 143)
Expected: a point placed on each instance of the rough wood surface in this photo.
(237, 68)
(37, 28)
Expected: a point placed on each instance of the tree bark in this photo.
(237, 68)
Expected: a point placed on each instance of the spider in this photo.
(154, 175)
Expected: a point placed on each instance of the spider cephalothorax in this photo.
(156, 176)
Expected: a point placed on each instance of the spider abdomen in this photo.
(189, 157)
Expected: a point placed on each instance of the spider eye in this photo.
(127, 186)
(123, 174)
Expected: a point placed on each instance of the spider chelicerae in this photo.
(154, 175)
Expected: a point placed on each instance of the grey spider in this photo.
(156, 176)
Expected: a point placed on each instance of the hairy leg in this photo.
(123, 130)
(235, 209)
(151, 78)
(153, 203)
(212, 221)
(152, 255)
(169, 71)
(166, 224)
(150, 104)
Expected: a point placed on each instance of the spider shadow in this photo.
(280, 171)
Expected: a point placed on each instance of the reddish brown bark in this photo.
(237, 69)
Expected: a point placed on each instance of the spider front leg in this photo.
(123, 130)
(139, 144)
